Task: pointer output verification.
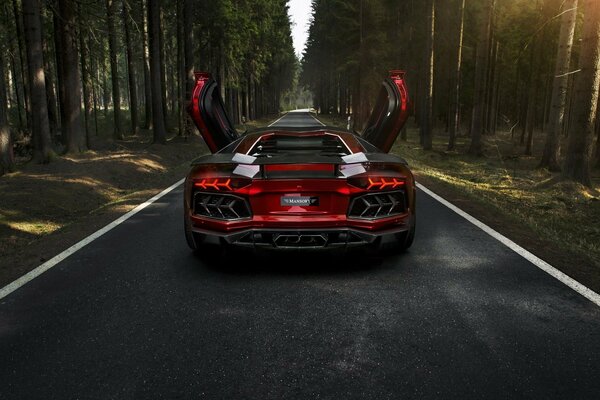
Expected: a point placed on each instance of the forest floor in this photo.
(557, 220)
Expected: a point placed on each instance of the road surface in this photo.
(135, 314)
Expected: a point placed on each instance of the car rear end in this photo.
(327, 202)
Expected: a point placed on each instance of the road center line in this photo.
(11, 287)
(538, 262)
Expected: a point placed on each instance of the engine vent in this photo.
(378, 205)
(324, 145)
(221, 206)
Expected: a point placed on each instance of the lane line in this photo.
(11, 287)
(538, 262)
(315, 118)
(278, 119)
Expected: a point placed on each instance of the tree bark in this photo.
(180, 70)
(481, 65)
(581, 134)
(56, 115)
(133, 99)
(88, 90)
(53, 109)
(73, 128)
(6, 151)
(162, 64)
(114, 67)
(147, 83)
(427, 125)
(455, 98)
(19, 17)
(188, 53)
(551, 155)
(40, 127)
(159, 131)
(533, 93)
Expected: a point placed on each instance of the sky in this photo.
(300, 13)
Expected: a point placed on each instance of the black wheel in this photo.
(409, 238)
(189, 235)
(403, 240)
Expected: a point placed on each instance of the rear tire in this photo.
(404, 239)
(189, 235)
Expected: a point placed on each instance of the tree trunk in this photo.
(50, 92)
(159, 131)
(147, 83)
(104, 83)
(427, 126)
(533, 94)
(481, 65)
(73, 128)
(551, 155)
(180, 70)
(54, 112)
(40, 127)
(19, 17)
(162, 65)
(114, 67)
(95, 84)
(188, 55)
(17, 79)
(133, 100)
(455, 97)
(581, 134)
(88, 89)
(6, 150)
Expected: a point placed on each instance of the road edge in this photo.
(533, 259)
(34, 273)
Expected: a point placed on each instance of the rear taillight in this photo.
(374, 183)
(221, 184)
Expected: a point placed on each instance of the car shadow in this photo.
(288, 263)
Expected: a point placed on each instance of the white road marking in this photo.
(11, 287)
(541, 264)
(278, 119)
(315, 118)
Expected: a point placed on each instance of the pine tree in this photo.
(585, 99)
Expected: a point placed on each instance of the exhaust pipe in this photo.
(300, 240)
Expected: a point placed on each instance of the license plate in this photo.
(299, 201)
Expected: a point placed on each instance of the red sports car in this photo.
(312, 187)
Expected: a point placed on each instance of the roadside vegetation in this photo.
(473, 68)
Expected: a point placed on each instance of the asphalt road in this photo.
(136, 314)
(297, 119)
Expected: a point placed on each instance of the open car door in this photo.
(208, 113)
(389, 114)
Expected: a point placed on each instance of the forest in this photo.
(73, 70)
(474, 68)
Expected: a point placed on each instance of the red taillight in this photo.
(222, 184)
(382, 183)
(377, 183)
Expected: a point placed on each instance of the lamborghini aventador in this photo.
(281, 188)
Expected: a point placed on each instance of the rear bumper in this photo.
(277, 239)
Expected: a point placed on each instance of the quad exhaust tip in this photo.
(300, 240)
